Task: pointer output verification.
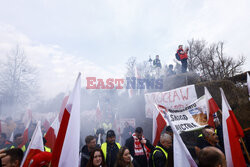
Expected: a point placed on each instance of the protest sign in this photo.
(174, 99)
(192, 117)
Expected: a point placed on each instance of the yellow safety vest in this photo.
(104, 148)
(165, 153)
(47, 149)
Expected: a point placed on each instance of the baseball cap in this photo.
(110, 133)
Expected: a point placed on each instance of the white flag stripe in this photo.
(208, 97)
(36, 141)
(225, 115)
(55, 125)
(182, 157)
(70, 150)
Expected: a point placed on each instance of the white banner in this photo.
(175, 99)
(192, 117)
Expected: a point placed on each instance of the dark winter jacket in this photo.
(141, 160)
(85, 155)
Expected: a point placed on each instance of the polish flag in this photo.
(213, 107)
(52, 132)
(248, 85)
(66, 149)
(182, 157)
(98, 112)
(158, 124)
(65, 100)
(35, 146)
(25, 135)
(232, 132)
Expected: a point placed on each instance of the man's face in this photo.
(7, 163)
(167, 143)
(92, 144)
(213, 136)
(180, 47)
(157, 57)
(19, 140)
(138, 135)
(111, 140)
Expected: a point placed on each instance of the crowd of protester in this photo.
(135, 151)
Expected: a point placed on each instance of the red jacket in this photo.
(182, 56)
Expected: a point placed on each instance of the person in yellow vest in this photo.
(17, 143)
(46, 149)
(160, 154)
(110, 148)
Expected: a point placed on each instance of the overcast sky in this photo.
(96, 37)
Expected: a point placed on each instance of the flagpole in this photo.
(245, 149)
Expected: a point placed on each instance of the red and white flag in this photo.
(35, 146)
(51, 134)
(182, 157)
(98, 112)
(232, 132)
(25, 135)
(66, 149)
(213, 107)
(158, 124)
(64, 102)
(248, 85)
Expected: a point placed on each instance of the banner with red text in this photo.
(175, 99)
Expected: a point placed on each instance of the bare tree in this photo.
(210, 61)
(131, 63)
(17, 78)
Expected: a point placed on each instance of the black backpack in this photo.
(177, 56)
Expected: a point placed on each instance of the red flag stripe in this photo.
(50, 138)
(25, 138)
(213, 108)
(161, 123)
(236, 152)
(65, 100)
(60, 138)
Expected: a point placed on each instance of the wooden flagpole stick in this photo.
(245, 149)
